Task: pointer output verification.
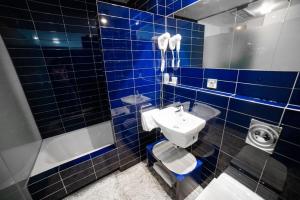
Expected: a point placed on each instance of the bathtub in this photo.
(63, 148)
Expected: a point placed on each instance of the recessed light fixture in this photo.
(103, 20)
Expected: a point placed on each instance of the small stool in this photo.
(180, 166)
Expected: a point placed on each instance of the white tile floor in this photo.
(135, 183)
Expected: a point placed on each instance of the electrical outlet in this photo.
(212, 83)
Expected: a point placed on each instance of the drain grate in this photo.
(263, 135)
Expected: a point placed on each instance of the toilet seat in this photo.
(226, 187)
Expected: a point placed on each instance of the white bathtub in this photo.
(66, 147)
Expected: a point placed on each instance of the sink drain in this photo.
(262, 135)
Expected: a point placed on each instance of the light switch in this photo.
(212, 83)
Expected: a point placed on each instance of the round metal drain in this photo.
(262, 136)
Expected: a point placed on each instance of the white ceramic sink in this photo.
(179, 127)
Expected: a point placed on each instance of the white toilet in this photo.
(226, 187)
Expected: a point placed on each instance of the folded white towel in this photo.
(148, 122)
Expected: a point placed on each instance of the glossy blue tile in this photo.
(198, 27)
(117, 55)
(115, 33)
(194, 82)
(145, 81)
(254, 109)
(43, 175)
(140, 73)
(119, 75)
(295, 99)
(191, 94)
(221, 74)
(115, 95)
(291, 117)
(140, 63)
(161, 10)
(113, 10)
(116, 44)
(145, 89)
(188, 2)
(290, 134)
(171, 22)
(119, 85)
(298, 83)
(141, 35)
(118, 65)
(143, 45)
(270, 78)
(289, 150)
(264, 92)
(223, 86)
(213, 99)
(158, 19)
(142, 16)
(137, 25)
(184, 24)
(137, 55)
(239, 119)
(114, 22)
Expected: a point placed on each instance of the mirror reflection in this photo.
(249, 34)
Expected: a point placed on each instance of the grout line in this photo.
(92, 166)
(104, 64)
(237, 81)
(290, 97)
(52, 194)
(62, 182)
(134, 85)
(223, 132)
(261, 174)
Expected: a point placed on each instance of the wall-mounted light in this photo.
(103, 21)
(35, 37)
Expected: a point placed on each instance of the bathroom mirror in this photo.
(248, 34)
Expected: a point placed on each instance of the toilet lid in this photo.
(177, 160)
(226, 187)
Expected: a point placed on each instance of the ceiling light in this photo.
(35, 37)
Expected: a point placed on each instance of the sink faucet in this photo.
(179, 108)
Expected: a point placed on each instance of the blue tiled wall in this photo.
(161, 7)
(242, 95)
(130, 67)
(131, 62)
(271, 87)
(55, 48)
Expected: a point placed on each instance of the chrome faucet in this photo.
(179, 108)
